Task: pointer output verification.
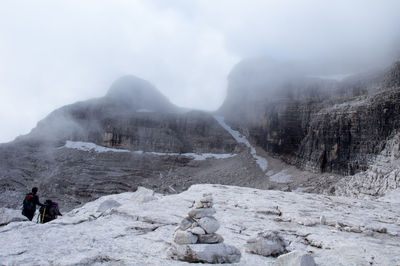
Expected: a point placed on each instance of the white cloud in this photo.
(53, 53)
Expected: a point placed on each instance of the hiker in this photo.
(29, 204)
(49, 211)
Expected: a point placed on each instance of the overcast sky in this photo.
(54, 53)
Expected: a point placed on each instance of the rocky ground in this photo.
(382, 176)
(138, 228)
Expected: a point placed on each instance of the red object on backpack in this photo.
(29, 197)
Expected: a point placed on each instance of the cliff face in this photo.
(316, 124)
(134, 115)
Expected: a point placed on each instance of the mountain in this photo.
(318, 123)
(167, 149)
(137, 228)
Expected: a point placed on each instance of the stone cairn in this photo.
(196, 240)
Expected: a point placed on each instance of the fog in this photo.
(54, 53)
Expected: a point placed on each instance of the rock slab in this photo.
(295, 258)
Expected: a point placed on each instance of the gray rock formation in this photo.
(195, 239)
(317, 124)
(135, 116)
(380, 177)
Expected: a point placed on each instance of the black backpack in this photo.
(29, 202)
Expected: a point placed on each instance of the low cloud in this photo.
(53, 53)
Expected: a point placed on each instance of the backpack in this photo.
(29, 202)
(48, 212)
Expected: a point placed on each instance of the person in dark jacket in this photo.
(29, 204)
(49, 211)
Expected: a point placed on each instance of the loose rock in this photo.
(266, 244)
(197, 230)
(209, 224)
(186, 223)
(295, 258)
(184, 237)
(210, 239)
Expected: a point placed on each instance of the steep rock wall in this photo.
(323, 126)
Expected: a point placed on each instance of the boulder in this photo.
(197, 230)
(295, 258)
(205, 253)
(210, 238)
(184, 237)
(209, 224)
(266, 244)
(186, 223)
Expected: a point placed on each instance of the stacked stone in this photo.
(200, 226)
(196, 240)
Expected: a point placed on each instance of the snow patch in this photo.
(262, 162)
(196, 156)
(88, 146)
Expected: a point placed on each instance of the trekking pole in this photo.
(43, 214)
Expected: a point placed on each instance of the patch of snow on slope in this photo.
(196, 156)
(138, 228)
(88, 146)
(280, 177)
(262, 162)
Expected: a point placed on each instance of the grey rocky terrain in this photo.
(139, 228)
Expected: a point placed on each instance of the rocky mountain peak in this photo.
(139, 94)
